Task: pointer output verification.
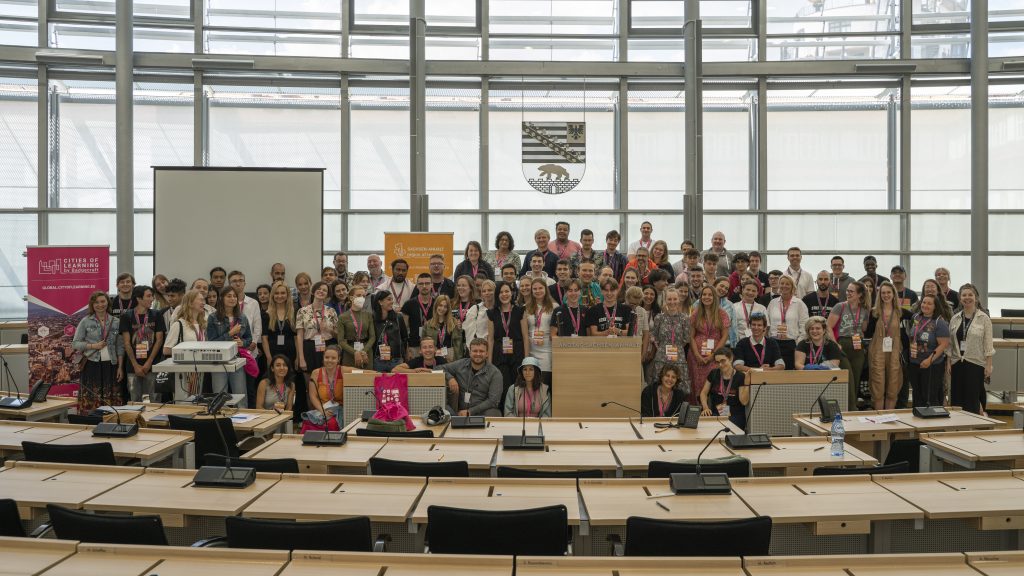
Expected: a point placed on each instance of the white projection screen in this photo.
(237, 218)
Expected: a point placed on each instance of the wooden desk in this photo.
(619, 566)
(831, 505)
(994, 500)
(14, 432)
(170, 494)
(563, 455)
(860, 565)
(35, 484)
(967, 449)
(635, 455)
(997, 563)
(266, 421)
(958, 420)
(609, 502)
(149, 446)
(554, 429)
(330, 496)
(706, 428)
(308, 563)
(31, 555)
(499, 494)
(55, 408)
(417, 421)
(123, 560)
(777, 392)
(477, 452)
(351, 458)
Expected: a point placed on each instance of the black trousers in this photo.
(788, 350)
(967, 386)
(926, 383)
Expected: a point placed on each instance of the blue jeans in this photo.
(236, 380)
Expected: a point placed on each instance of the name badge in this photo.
(357, 346)
(385, 352)
(913, 349)
(723, 410)
(280, 339)
(105, 354)
(318, 343)
(142, 350)
(466, 396)
(421, 331)
(963, 346)
(671, 353)
(443, 352)
(783, 330)
(506, 345)
(856, 342)
(538, 337)
(887, 344)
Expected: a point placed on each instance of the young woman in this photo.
(723, 392)
(392, 333)
(530, 396)
(659, 257)
(474, 263)
(503, 254)
(817, 348)
(361, 279)
(303, 290)
(279, 333)
(225, 325)
(505, 335)
(315, 324)
(942, 309)
(327, 384)
(885, 370)
(446, 333)
(487, 298)
(356, 331)
(721, 285)
(102, 354)
(568, 320)
(159, 284)
(970, 354)
(470, 313)
(929, 340)
(339, 297)
(709, 326)
(142, 333)
(263, 296)
(536, 326)
(787, 315)
(650, 302)
(670, 336)
(277, 390)
(630, 278)
(849, 320)
(212, 297)
(747, 306)
(663, 398)
(189, 325)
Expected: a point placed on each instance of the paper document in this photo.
(879, 419)
(243, 418)
(132, 408)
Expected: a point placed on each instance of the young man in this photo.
(377, 276)
(508, 276)
(561, 245)
(441, 285)
(417, 311)
(773, 288)
(821, 301)
(218, 276)
(905, 296)
(537, 269)
(251, 310)
(645, 240)
(838, 279)
(586, 252)
(424, 363)
(329, 275)
(611, 257)
(474, 384)
(561, 285)
(681, 265)
(745, 309)
(742, 261)
(606, 274)
(755, 269)
(590, 293)
(696, 283)
(277, 273)
(174, 292)
(801, 278)
(341, 267)
(614, 320)
(870, 267)
(142, 330)
(400, 288)
(725, 258)
(710, 261)
(548, 258)
(758, 350)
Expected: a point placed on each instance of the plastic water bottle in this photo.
(838, 436)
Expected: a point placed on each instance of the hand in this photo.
(927, 362)
(252, 347)
(139, 371)
(463, 412)
(120, 372)
(301, 364)
(278, 406)
(235, 330)
(705, 412)
(988, 370)
(453, 386)
(238, 342)
(98, 346)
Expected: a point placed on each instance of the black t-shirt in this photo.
(623, 317)
(272, 332)
(570, 322)
(417, 362)
(418, 318)
(445, 287)
(818, 306)
(751, 354)
(515, 331)
(392, 332)
(766, 299)
(146, 330)
(906, 298)
(119, 306)
(830, 352)
(731, 387)
(557, 292)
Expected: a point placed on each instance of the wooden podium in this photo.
(590, 370)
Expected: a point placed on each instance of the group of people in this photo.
(704, 322)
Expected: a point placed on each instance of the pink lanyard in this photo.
(746, 313)
(475, 268)
(722, 384)
(358, 326)
(575, 320)
(398, 295)
(528, 399)
(140, 333)
(856, 319)
(104, 326)
(611, 318)
(785, 309)
(423, 310)
(440, 336)
(662, 406)
(537, 320)
(462, 313)
(919, 327)
(764, 351)
(821, 350)
(505, 320)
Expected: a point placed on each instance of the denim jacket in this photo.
(90, 331)
(217, 329)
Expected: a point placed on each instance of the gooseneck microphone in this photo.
(698, 483)
(817, 400)
(630, 408)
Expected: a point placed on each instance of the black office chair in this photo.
(10, 519)
(274, 465)
(894, 468)
(207, 440)
(1012, 313)
(84, 419)
(510, 472)
(1013, 334)
(738, 467)
(100, 453)
(383, 434)
(653, 537)
(105, 528)
(348, 535)
(908, 451)
(461, 531)
(385, 467)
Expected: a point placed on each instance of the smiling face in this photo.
(340, 292)
(538, 290)
(816, 331)
(707, 296)
(281, 294)
(718, 241)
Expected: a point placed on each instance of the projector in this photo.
(203, 352)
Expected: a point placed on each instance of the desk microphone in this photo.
(324, 437)
(15, 401)
(367, 414)
(114, 429)
(741, 441)
(522, 441)
(631, 409)
(712, 483)
(224, 476)
(827, 415)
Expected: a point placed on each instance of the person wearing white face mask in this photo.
(356, 333)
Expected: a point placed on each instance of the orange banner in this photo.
(416, 248)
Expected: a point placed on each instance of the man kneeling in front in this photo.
(474, 384)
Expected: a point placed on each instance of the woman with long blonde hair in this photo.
(709, 326)
(885, 370)
(536, 326)
(444, 330)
